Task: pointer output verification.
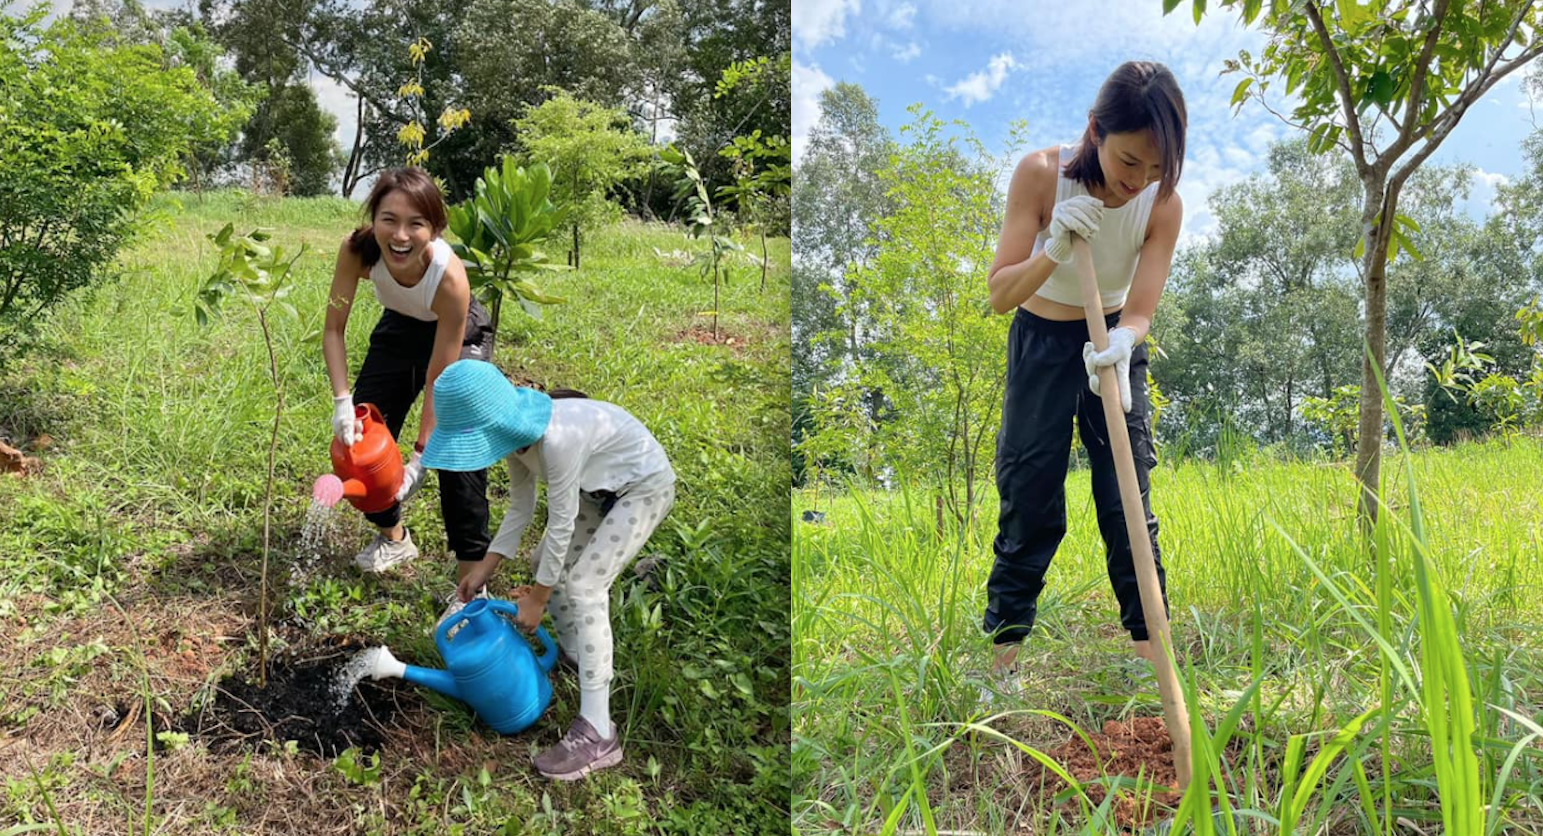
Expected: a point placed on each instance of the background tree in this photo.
(514, 53)
(261, 36)
(838, 198)
(939, 344)
(716, 35)
(88, 131)
(590, 149)
(1392, 73)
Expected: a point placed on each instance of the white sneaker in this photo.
(1000, 688)
(383, 553)
(455, 604)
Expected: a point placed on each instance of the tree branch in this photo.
(341, 78)
(1421, 71)
(1445, 123)
(1352, 124)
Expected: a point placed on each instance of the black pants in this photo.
(1047, 386)
(395, 369)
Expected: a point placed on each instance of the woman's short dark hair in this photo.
(1137, 96)
(421, 191)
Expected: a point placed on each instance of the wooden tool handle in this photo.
(1175, 713)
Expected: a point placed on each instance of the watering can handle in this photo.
(547, 659)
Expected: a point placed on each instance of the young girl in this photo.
(1115, 189)
(608, 486)
(430, 320)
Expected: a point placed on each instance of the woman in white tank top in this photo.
(1115, 188)
(429, 321)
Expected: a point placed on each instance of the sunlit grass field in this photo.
(1269, 586)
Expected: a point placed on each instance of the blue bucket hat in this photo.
(480, 417)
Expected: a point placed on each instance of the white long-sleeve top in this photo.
(589, 446)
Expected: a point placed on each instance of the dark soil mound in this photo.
(297, 705)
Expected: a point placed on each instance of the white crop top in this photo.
(1115, 248)
(416, 301)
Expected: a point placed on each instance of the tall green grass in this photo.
(1329, 685)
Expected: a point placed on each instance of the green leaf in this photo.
(1360, 249)
(1381, 88)
(1251, 11)
(1240, 92)
(1199, 11)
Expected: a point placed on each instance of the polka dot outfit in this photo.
(603, 544)
(608, 486)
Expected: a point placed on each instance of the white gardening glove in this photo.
(412, 477)
(1121, 342)
(1082, 215)
(345, 426)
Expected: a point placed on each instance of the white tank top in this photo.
(1115, 248)
(416, 301)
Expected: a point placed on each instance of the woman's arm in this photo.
(340, 300)
(1152, 267)
(451, 301)
(1015, 275)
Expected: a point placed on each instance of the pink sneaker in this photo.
(581, 751)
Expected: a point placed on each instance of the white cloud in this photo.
(816, 22)
(1238, 156)
(981, 86)
(1490, 179)
(1045, 30)
(1261, 137)
(339, 101)
(808, 82)
(908, 53)
(903, 16)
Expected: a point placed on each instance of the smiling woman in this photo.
(430, 321)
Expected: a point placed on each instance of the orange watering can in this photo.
(369, 473)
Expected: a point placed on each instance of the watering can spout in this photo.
(386, 665)
(434, 679)
(354, 489)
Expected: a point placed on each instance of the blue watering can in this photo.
(489, 666)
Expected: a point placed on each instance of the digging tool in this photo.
(1175, 714)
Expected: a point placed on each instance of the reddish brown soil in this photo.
(703, 334)
(1140, 747)
(13, 460)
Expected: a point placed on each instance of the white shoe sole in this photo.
(605, 761)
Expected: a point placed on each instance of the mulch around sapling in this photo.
(1139, 747)
(703, 335)
(297, 705)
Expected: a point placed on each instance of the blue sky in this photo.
(989, 62)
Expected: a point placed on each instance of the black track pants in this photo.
(1047, 386)
(395, 369)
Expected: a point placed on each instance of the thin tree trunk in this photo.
(498, 305)
(715, 302)
(763, 259)
(351, 170)
(273, 446)
(1368, 458)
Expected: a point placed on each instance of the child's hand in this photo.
(532, 605)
